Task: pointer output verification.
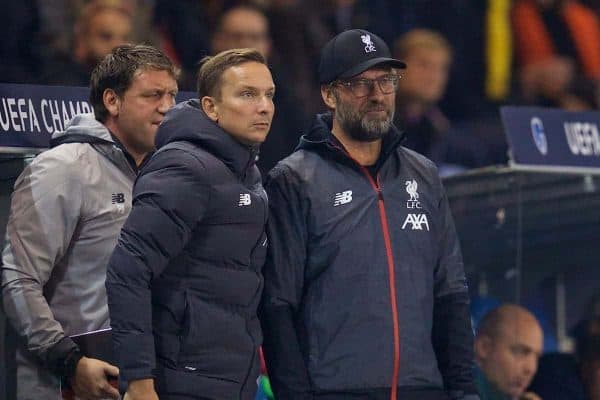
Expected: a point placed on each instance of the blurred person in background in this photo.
(508, 345)
(480, 35)
(428, 58)
(558, 53)
(100, 27)
(481, 76)
(242, 26)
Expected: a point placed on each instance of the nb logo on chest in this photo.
(118, 199)
(245, 200)
(342, 198)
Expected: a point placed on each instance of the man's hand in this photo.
(530, 396)
(142, 389)
(90, 381)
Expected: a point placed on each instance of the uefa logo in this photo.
(539, 137)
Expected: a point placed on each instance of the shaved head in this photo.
(508, 344)
(506, 315)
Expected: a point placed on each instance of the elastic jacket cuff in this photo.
(62, 358)
(133, 375)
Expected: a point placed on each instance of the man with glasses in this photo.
(365, 294)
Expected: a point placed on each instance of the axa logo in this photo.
(344, 197)
(411, 189)
(366, 39)
(119, 200)
(416, 221)
(245, 200)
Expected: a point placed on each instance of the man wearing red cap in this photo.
(365, 294)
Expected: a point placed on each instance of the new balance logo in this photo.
(342, 198)
(118, 198)
(417, 221)
(245, 200)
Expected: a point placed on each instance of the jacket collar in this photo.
(187, 122)
(321, 137)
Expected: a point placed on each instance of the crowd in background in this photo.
(465, 57)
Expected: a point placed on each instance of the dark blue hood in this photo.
(187, 122)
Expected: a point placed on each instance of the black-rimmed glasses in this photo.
(362, 87)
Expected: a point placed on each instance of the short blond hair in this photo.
(212, 68)
(95, 7)
(420, 39)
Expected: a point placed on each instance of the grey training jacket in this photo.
(67, 210)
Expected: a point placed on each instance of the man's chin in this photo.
(367, 136)
(516, 392)
(377, 117)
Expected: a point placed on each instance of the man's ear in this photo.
(483, 346)
(210, 108)
(328, 96)
(112, 102)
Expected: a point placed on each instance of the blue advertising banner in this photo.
(29, 114)
(552, 139)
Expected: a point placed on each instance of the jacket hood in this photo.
(320, 134)
(187, 122)
(83, 128)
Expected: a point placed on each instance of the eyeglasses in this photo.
(363, 87)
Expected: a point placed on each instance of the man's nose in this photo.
(376, 92)
(166, 102)
(265, 105)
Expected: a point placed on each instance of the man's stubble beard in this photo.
(358, 126)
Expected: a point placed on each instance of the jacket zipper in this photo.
(391, 270)
(392, 280)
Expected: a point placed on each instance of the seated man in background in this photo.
(508, 345)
